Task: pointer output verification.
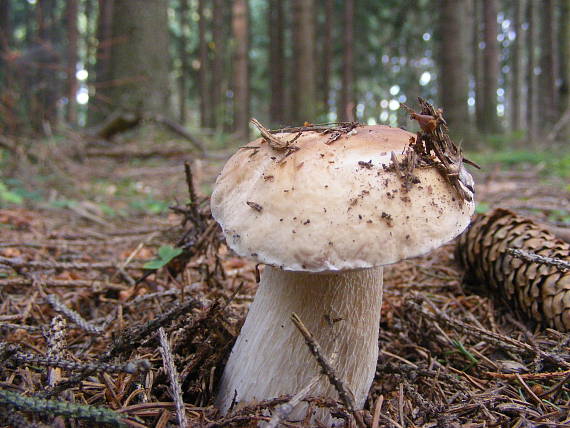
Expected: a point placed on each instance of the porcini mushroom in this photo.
(324, 218)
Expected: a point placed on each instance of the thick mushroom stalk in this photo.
(270, 358)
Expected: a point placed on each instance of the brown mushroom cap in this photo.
(328, 207)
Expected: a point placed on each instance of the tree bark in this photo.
(276, 62)
(100, 103)
(453, 73)
(347, 107)
(5, 26)
(477, 64)
(548, 66)
(490, 68)
(531, 80)
(326, 54)
(72, 58)
(240, 26)
(516, 64)
(218, 83)
(44, 105)
(139, 56)
(564, 56)
(203, 73)
(183, 55)
(303, 90)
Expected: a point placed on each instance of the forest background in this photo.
(499, 69)
(116, 117)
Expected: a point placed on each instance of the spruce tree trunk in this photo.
(326, 54)
(183, 19)
(44, 106)
(453, 75)
(564, 48)
(204, 73)
(5, 26)
(276, 62)
(72, 57)
(548, 66)
(490, 67)
(531, 80)
(303, 100)
(240, 26)
(347, 107)
(218, 83)
(100, 105)
(516, 64)
(477, 63)
(139, 56)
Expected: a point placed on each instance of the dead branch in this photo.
(170, 368)
(531, 257)
(344, 392)
(73, 316)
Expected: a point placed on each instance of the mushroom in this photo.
(324, 219)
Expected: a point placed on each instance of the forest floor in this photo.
(80, 332)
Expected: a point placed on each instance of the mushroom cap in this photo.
(328, 207)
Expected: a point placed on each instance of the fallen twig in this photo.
(53, 407)
(344, 392)
(71, 315)
(528, 256)
(170, 368)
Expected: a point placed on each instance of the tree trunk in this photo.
(531, 80)
(516, 64)
(72, 58)
(240, 26)
(5, 26)
(218, 83)
(139, 56)
(477, 64)
(490, 67)
(548, 90)
(303, 90)
(100, 103)
(44, 106)
(326, 54)
(276, 62)
(564, 55)
(347, 107)
(203, 74)
(453, 73)
(184, 66)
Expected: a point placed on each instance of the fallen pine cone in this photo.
(535, 286)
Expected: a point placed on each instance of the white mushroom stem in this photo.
(270, 357)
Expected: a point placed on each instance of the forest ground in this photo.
(86, 218)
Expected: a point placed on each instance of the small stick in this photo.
(274, 142)
(131, 367)
(528, 390)
(17, 263)
(528, 256)
(192, 193)
(95, 285)
(63, 408)
(173, 376)
(56, 345)
(71, 315)
(285, 410)
(377, 411)
(344, 392)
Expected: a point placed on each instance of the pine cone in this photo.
(540, 291)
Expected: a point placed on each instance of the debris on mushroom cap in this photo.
(347, 205)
